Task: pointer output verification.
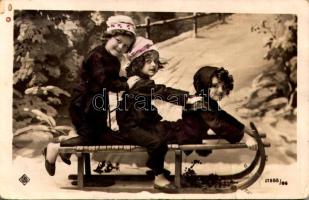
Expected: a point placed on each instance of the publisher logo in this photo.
(24, 179)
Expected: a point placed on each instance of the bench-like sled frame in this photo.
(255, 169)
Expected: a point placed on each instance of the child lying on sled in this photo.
(213, 84)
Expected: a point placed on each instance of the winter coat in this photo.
(212, 116)
(100, 70)
(136, 110)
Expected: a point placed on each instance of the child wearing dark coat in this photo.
(99, 74)
(213, 84)
(139, 121)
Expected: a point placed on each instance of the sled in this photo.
(213, 183)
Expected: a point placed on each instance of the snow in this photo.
(46, 186)
(231, 45)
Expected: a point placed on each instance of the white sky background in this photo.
(299, 7)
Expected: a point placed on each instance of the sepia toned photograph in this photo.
(127, 100)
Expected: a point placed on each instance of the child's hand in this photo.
(132, 80)
(194, 99)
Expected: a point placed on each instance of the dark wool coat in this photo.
(136, 109)
(140, 123)
(100, 70)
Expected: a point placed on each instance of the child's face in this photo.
(118, 45)
(217, 90)
(151, 65)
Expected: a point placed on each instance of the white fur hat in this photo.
(141, 46)
(120, 22)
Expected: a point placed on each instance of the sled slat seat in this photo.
(135, 148)
(108, 148)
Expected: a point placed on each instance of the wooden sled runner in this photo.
(218, 183)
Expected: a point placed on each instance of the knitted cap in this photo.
(141, 46)
(120, 22)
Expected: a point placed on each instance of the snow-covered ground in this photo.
(231, 45)
(42, 185)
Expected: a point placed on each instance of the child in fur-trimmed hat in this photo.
(142, 50)
(139, 121)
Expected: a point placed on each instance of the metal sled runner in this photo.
(214, 183)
